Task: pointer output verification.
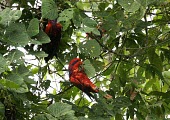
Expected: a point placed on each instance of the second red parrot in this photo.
(79, 78)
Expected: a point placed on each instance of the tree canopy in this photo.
(124, 45)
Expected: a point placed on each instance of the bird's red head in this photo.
(74, 65)
(75, 60)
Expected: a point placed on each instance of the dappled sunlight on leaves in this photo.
(124, 47)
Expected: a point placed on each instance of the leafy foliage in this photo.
(33, 28)
(91, 48)
(124, 46)
(49, 9)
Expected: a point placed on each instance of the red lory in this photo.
(53, 30)
(79, 78)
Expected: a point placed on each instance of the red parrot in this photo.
(79, 78)
(53, 30)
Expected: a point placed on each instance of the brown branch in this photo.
(62, 92)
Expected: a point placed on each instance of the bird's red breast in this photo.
(53, 28)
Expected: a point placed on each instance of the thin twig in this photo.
(65, 90)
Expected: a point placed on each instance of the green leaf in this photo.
(122, 72)
(140, 13)
(103, 5)
(166, 53)
(155, 59)
(8, 15)
(8, 83)
(89, 69)
(41, 38)
(39, 53)
(144, 3)
(65, 25)
(15, 14)
(98, 65)
(119, 117)
(130, 5)
(154, 34)
(66, 15)
(35, 70)
(122, 102)
(83, 118)
(91, 47)
(109, 70)
(93, 30)
(148, 85)
(35, 42)
(81, 102)
(3, 64)
(153, 70)
(16, 78)
(22, 70)
(33, 28)
(22, 89)
(29, 80)
(19, 81)
(111, 24)
(140, 72)
(2, 109)
(16, 34)
(88, 29)
(96, 31)
(49, 9)
(89, 22)
(15, 55)
(76, 18)
(83, 5)
(50, 117)
(40, 117)
(62, 111)
(166, 74)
